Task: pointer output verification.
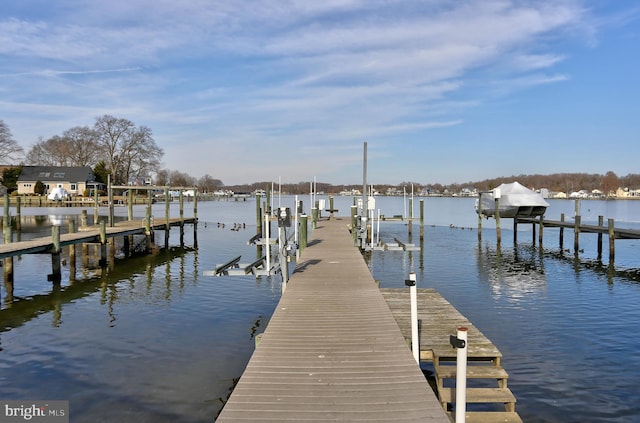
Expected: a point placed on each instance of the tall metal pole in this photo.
(365, 199)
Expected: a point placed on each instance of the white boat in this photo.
(57, 194)
(515, 200)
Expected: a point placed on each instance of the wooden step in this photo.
(473, 372)
(488, 417)
(478, 395)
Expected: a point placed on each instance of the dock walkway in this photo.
(332, 350)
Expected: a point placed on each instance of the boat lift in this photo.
(265, 265)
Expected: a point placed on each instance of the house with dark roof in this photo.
(73, 179)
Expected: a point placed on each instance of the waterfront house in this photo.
(75, 180)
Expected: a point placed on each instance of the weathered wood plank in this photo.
(332, 351)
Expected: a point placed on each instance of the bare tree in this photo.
(83, 148)
(163, 177)
(10, 151)
(181, 179)
(208, 184)
(610, 184)
(75, 147)
(128, 151)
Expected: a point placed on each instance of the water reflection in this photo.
(511, 272)
(20, 310)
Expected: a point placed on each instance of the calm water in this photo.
(153, 340)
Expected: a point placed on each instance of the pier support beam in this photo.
(56, 273)
(576, 234)
(72, 251)
(561, 240)
(8, 262)
(600, 223)
(303, 232)
(421, 219)
(103, 243)
(612, 237)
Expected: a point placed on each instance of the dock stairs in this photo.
(488, 397)
(489, 400)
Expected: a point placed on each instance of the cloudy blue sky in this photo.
(442, 91)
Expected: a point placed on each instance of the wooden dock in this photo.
(100, 235)
(85, 235)
(332, 350)
(439, 319)
(578, 227)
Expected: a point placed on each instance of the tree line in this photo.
(112, 146)
(126, 151)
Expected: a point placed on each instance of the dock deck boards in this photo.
(332, 350)
(439, 319)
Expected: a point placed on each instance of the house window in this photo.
(73, 187)
(58, 175)
(44, 174)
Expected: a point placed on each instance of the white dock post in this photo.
(415, 337)
(461, 376)
(267, 243)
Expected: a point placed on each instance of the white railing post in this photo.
(461, 376)
(267, 245)
(415, 336)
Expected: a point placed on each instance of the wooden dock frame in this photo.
(600, 229)
(98, 234)
(438, 321)
(610, 230)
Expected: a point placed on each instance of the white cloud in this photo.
(231, 75)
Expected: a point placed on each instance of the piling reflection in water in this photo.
(511, 272)
(18, 311)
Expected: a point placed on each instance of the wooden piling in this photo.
(8, 262)
(600, 223)
(181, 202)
(354, 224)
(110, 201)
(576, 234)
(147, 227)
(83, 219)
(561, 240)
(612, 237)
(103, 243)
(166, 216)
(56, 268)
(72, 247)
(541, 222)
(130, 205)
(331, 207)
(96, 205)
(18, 213)
(410, 217)
(533, 232)
(421, 219)
(303, 232)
